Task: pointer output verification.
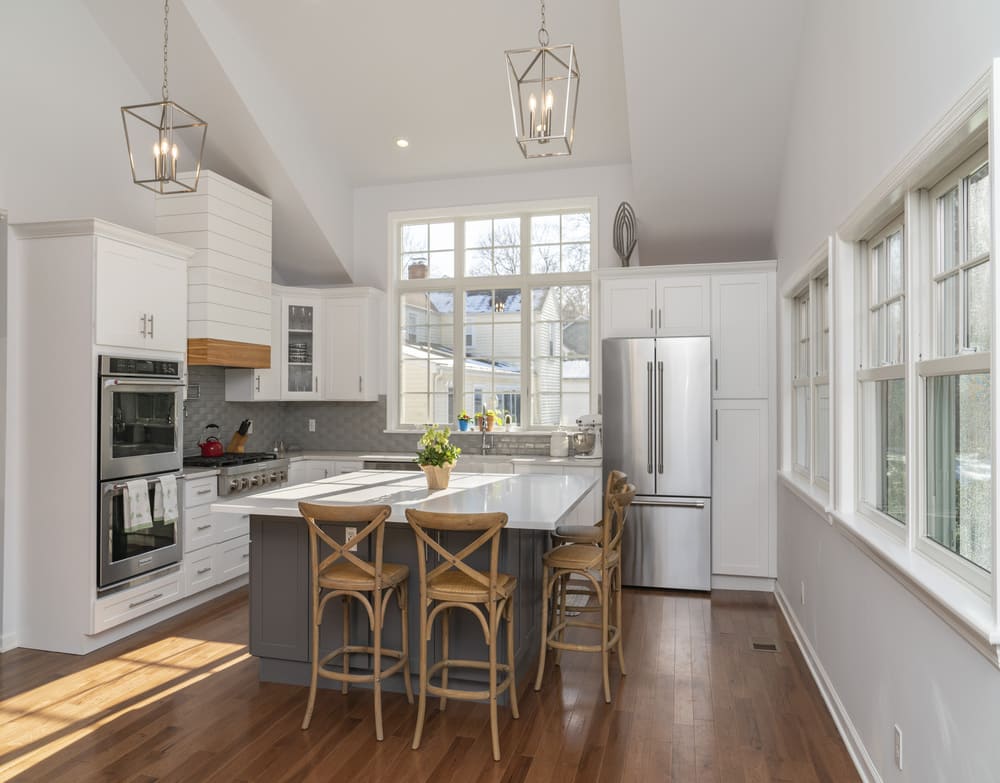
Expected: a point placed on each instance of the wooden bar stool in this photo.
(600, 566)
(343, 574)
(453, 584)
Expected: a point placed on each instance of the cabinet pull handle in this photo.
(142, 331)
(134, 604)
(204, 491)
(659, 318)
(650, 317)
(359, 384)
(246, 555)
(716, 424)
(204, 570)
(315, 382)
(716, 374)
(258, 383)
(204, 527)
(151, 326)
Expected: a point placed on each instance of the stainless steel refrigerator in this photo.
(657, 407)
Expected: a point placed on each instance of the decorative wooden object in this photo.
(227, 353)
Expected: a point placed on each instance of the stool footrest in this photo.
(462, 694)
(351, 649)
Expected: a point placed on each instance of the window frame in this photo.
(460, 283)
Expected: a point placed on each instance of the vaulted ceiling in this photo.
(305, 97)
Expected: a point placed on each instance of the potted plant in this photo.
(491, 417)
(479, 420)
(463, 421)
(437, 456)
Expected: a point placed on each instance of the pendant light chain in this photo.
(166, 13)
(543, 33)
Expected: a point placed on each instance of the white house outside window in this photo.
(494, 312)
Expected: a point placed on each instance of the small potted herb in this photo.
(479, 420)
(437, 456)
(491, 417)
(463, 421)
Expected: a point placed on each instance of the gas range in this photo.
(244, 473)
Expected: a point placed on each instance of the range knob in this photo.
(275, 476)
(244, 483)
(234, 485)
(255, 481)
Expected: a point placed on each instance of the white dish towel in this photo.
(165, 501)
(137, 513)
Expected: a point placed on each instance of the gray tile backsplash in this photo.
(340, 426)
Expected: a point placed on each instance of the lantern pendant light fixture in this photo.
(544, 84)
(160, 135)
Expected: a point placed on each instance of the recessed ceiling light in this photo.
(402, 143)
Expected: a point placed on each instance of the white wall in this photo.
(874, 78)
(62, 147)
(610, 184)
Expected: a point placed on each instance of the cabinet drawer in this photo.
(201, 491)
(199, 528)
(200, 571)
(233, 558)
(122, 607)
(230, 526)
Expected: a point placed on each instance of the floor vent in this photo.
(764, 645)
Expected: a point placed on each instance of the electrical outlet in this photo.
(349, 533)
(312, 425)
(803, 592)
(897, 734)
(250, 427)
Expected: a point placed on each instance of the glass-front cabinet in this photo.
(302, 350)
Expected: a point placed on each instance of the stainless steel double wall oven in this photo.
(140, 435)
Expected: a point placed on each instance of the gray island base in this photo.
(280, 628)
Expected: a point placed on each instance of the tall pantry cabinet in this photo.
(734, 305)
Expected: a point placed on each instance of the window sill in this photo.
(964, 609)
(811, 495)
(514, 433)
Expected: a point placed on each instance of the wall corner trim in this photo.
(852, 739)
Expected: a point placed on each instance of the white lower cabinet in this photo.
(214, 544)
(233, 558)
(199, 571)
(127, 605)
(742, 530)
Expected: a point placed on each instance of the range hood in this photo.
(229, 276)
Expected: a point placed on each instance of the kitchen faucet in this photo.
(486, 447)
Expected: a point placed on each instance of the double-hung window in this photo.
(494, 313)
(957, 526)
(811, 379)
(882, 376)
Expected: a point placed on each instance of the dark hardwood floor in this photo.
(181, 702)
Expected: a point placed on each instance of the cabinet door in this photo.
(741, 515)
(740, 345)
(627, 307)
(165, 283)
(260, 385)
(122, 312)
(683, 306)
(301, 349)
(297, 471)
(347, 327)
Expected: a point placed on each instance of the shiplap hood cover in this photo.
(305, 97)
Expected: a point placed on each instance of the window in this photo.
(495, 311)
(811, 378)
(882, 376)
(958, 469)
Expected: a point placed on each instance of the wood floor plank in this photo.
(181, 702)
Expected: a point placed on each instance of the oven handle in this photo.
(166, 382)
(116, 487)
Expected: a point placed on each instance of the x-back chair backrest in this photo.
(614, 526)
(373, 519)
(489, 525)
(616, 480)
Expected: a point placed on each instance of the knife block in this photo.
(237, 444)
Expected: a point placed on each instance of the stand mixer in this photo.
(588, 442)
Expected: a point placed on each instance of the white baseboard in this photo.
(8, 642)
(855, 746)
(758, 584)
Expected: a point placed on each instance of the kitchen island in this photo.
(280, 625)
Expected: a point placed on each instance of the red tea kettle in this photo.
(211, 446)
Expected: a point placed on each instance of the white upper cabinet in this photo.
(668, 306)
(140, 296)
(353, 335)
(741, 344)
(259, 385)
(301, 347)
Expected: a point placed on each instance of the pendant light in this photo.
(161, 135)
(544, 84)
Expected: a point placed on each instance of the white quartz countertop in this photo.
(362, 456)
(532, 502)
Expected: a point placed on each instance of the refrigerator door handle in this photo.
(669, 503)
(649, 417)
(659, 410)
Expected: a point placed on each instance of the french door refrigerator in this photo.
(658, 429)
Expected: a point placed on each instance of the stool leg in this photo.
(605, 597)
(422, 700)
(377, 685)
(494, 730)
(445, 623)
(403, 596)
(510, 657)
(315, 665)
(545, 628)
(347, 636)
(618, 621)
(563, 585)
